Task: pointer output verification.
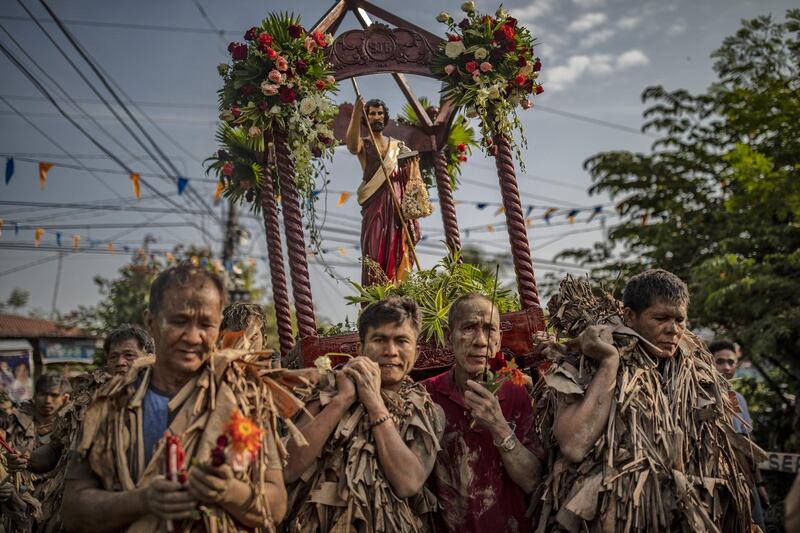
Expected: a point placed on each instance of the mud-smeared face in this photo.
(49, 400)
(663, 324)
(186, 327)
(394, 347)
(475, 336)
(122, 354)
(726, 362)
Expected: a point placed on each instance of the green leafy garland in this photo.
(488, 67)
(278, 81)
(435, 290)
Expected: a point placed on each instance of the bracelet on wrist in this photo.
(381, 420)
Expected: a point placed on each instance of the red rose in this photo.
(182, 478)
(316, 151)
(497, 362)
(496, 53)
(319, 38)
(537, 66)
(319, 84)
(238, 51)
(295, 31)
(235, 111)
(324, 139)
(464, 24)
(269, 52)
(287, 95)
(265, 38)
(227, 169)
(539, 89)
(462, 158)
(263, 105)
(510, 45)
(462, 147)
(453, 38)
(504, 33)
(521, 61)
(471, 66)
(520, 79)
(247, 89)
(300, 66)
(251, 34)
(511, 21)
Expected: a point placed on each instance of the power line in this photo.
(126, 26)
(595, 121)
(92, 65)
(73, 205)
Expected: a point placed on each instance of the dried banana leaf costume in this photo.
(18, 513)
(346, 490)
(50, 490)
(112, 439)
(667, 460)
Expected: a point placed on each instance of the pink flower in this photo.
(526, 104)
(476, 76)
(269, 89)
(274, 76)
(330, 79)
(310, 44)
(235, 111)
(281, 63)
(448, 69)
(227, 169)
(486, 66)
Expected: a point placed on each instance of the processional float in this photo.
(397, 47)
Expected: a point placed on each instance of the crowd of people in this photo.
(371, 449)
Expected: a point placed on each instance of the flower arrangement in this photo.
(499, 371)
(489, 68)
(238, 443)
(278, 80)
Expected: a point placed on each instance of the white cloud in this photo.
(536, 9)
(587, 4)
(587, 22)
(596, 37)
(560, 77)
(632, 58)
(629, 22)
(677, 28)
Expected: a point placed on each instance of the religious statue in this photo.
(383, 239)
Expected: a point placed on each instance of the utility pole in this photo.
(58, 281)
(231, 234)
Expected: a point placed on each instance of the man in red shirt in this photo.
(490, 459)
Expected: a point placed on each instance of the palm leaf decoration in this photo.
(240, 152)
(434, 291)
(460, 133)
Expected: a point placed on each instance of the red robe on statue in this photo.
(382, 236)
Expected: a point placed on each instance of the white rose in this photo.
(468, 7)
(481, 53)
(444, 16)
(453, 49)
(526, 70)
(494, 92)
(254, 131)
(307, 105)
(323, 363)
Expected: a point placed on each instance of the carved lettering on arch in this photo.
(380, 48)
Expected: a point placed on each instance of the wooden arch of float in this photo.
(402, 49)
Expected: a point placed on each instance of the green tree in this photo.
(717, 201)
(16, 300)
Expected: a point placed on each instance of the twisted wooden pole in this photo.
(280, 292)
(517, 233)
(446, 203)
(295, 240)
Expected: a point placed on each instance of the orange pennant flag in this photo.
(111, 247)
(1, 226)
(342, 198)
(342, 251)
(170, 257)
(500, 210)
(76, 241)
(136, 190)
(218, 192)
(43, 169)
(37, 236)
(528, 222)
(489, 228)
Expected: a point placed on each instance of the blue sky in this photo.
(598, 56)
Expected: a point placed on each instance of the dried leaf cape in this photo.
(345, 489)
(668, 460)
(50, 490)
(18, 513)
(111, 438)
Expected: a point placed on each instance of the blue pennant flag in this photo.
(182, 183)
(314, 194)
(58, 238)
(16, 229)
(9, 169)
(466, 232)
(126, 249)
(481, 205)
(528, 211)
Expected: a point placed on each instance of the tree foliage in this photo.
(717, 199)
